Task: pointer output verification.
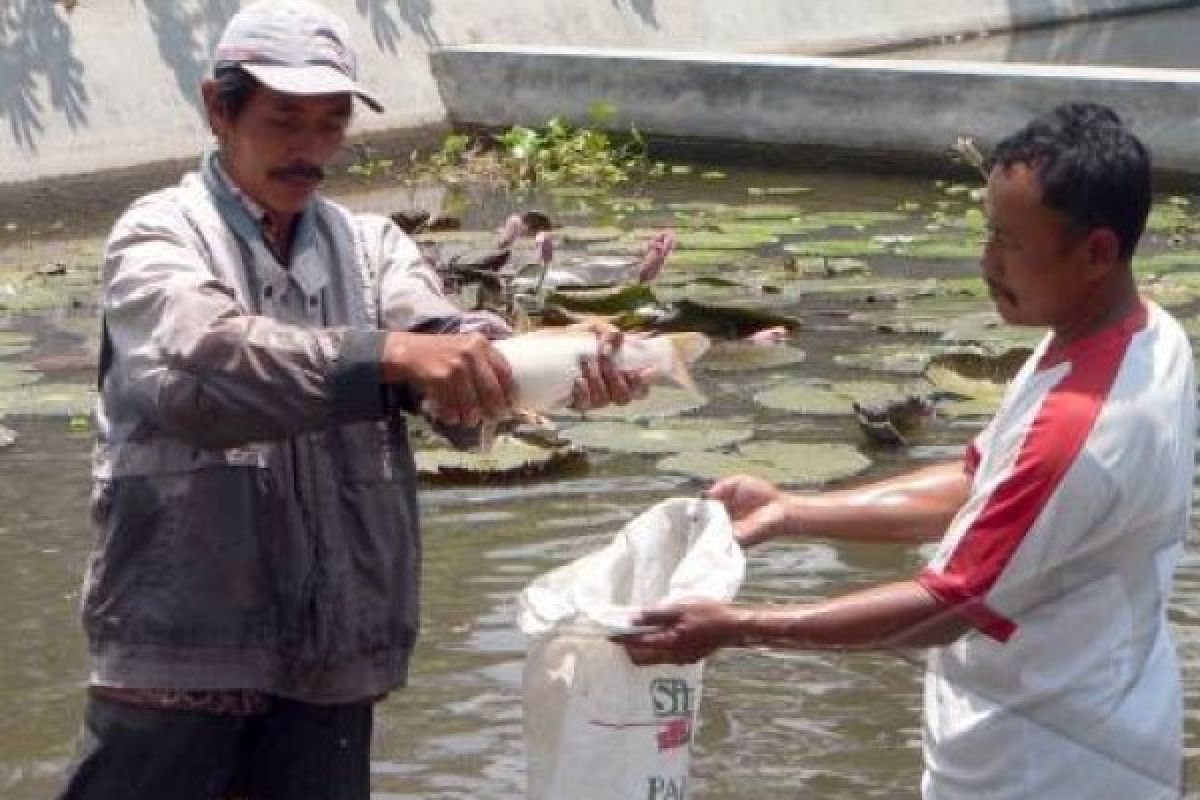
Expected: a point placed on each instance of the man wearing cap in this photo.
(252, 590)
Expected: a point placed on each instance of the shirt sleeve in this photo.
(411, 295)
(1028, 515)
(203, 367)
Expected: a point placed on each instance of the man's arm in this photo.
(914, 507)
(204, 368)
(897, 615)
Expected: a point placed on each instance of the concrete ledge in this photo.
(866, 105)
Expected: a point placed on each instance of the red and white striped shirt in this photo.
(1062, 558)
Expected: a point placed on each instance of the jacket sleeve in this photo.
(411, 297)
(201, 366)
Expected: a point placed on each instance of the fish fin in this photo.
(688, 347)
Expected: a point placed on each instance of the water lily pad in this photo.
(782, 463)
(715, 240)
(777, 191)
(941, 249)
(701, 258)
(805, 399)
(1168, 261)
(602, 301)
(970, 397)
(14, 344)
(745, 356)
(996, 363)
(677, 437)
(836, 248)
(48, 400)
(825, 267)
(660, 402)
(852, 219)
(572, 192)
(510, 458)
(1169, 217)
(768, 211)
(987, 328)
(900, 359)
(585, 235)
(14, 375)
(729, 320)
(699, 207)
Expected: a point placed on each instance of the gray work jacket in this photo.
(254, 504)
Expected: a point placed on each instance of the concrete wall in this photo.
(113, 83)
(866, 105)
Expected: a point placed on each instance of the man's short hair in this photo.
(1091, 169)
(235, 87)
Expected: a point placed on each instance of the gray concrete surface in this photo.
(114, 83)
(870, 106)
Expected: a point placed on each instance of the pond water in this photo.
(771, 723)
(1161, 39)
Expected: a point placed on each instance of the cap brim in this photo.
(310, 80)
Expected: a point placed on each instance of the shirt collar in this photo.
(308, 269)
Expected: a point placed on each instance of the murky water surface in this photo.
(773, 724)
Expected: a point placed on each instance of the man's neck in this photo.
(278, 226)
(1106, 306)
(278, 230)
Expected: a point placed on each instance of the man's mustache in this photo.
(298, 171)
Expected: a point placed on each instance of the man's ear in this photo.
(1102, 250)
(213, 110)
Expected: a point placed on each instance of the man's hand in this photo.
(601, 383)
(691, 631)
(462, 377)
(756, 506)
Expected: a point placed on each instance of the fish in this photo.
(546, 366)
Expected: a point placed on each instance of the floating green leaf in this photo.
(660, 402)
(509, 459)
(805, 399)
(47, 400)
(777, 191)
(14, 344)
(941, 249)
(836, 248)
(782, 463)
(603, 301)
(587, 235)
(900, 359)
(715, 240)
(825, 267)
(745, 356)
(676, 437)
(14, 375)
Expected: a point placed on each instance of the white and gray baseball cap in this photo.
(294, 47)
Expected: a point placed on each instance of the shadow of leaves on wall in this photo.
(643, 8)
(186, 39)
(385, 17)
(36, 49)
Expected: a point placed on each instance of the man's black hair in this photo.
(1091, 169)
(235, 87)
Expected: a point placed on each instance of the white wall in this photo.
(113, 83)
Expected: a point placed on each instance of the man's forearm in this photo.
(898, 615)
(914, 507)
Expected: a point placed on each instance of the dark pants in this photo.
(295, 751)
